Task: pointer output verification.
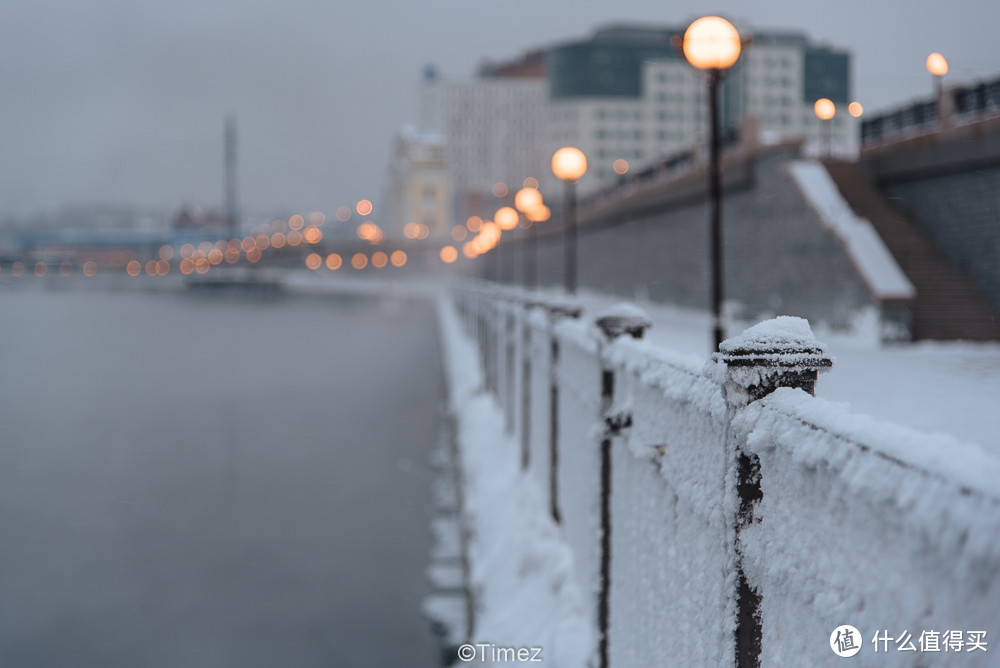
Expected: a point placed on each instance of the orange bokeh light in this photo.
(500, 189)
(334, 261)
(379, 259)
(364, 207)
(278, 240)
(344, 214)
(459, 233)
(448, 254)
(312, 235)
(133, 268)
(398, 258)
(296, 222)
(89, 268)
(359, 260)
(314, 261)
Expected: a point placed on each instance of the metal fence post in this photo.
(613, 324)
(556, 311)
(772, 354)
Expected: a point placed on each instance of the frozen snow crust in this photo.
(862, 522)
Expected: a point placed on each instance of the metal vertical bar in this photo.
(715, 205)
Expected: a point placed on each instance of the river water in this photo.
(214, 480)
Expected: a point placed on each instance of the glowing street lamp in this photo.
(825, 110)
(712, 44)
(569, 164)
(938, 67)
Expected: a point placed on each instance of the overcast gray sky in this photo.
(122, 101)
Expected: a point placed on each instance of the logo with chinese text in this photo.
(845, 641)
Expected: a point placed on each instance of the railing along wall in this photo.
(720, 514)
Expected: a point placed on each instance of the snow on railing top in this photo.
(877, 266)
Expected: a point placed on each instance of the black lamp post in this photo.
(713, 45)
(569, 164)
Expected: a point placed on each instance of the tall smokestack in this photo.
(231, 205)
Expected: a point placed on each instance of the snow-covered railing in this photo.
(721, 515)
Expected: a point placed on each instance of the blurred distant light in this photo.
(359, 260)
(363, 207)
(423, 231)
(448, 254)
(133, 268)
(398, 258)
(539, 214)
(937, 65)
(526, 223)
(65, 269)
(215, 256)
(89, 268)
(151, 267)
(506, 217)
(186, 250)
(474, 223)
(569, 164)
(312, 235)
(278, 240)
(232, 256)
(711, 43)
(166, 252)
(17, 269)
(202, 266)
(620, 166)
(379, 259)
(527, 198)
(262, 241)
(469, 250)
(234, 245)
(206, 246)
(459, 232)
(279, 225)
(314, 261)
(825, 109)
(855, 109)
(248, 244)
(221, 244)
(334, 261)
(500, 189)
(163, 268)
(411, 230)
(253, 255)
(344, 214)
(296, 222)
(530, 182)
(316, 218)
(186, 266)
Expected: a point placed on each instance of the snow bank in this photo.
(862, 243)
(521, 569)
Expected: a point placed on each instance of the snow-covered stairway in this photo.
(948, 304)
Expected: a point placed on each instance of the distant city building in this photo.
(627, 93)
(419, 183)
(493, 129)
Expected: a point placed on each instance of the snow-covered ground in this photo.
(946, 387)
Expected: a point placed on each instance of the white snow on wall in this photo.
(862, 243)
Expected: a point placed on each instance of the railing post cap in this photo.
(623, 318)
(781, 352)
(559, 307)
